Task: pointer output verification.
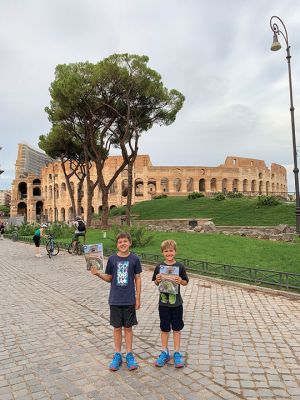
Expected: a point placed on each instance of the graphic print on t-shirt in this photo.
(122, 273)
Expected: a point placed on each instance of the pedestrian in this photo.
(2, 229)
(123, 271)
(169, 276)
(37, 238)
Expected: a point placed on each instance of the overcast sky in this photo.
(216, 52)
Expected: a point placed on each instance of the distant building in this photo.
(5, 196)
(39, 191)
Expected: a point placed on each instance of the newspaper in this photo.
(168, 274)
(94, 256)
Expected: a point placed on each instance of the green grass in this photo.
(234, 250)
(241, 212)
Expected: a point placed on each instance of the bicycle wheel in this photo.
(49, 249)
(55, 249)
(79, 249)
(70, 248)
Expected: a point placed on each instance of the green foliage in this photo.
(267, 201)
(26, 229)
(4, 210)
(160, 196)
(60, 230)
(195, 195)
(234, 195)
(114, 212)
(139, 234)
(219, 197)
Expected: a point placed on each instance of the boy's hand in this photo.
(137, 304)
(178, 280)
(94, 270)
(158, 278)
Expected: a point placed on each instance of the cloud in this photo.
(217, 53)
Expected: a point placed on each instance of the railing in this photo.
(279, 279)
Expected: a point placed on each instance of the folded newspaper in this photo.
(94, 256)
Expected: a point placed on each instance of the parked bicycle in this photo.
(51, 247)
(75, 247)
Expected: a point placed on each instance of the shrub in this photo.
(115, 211)
(219, 197)
(267, 201)
(160, 196)
(234, 195)
(195, 195)
(26, 229)
(60, 230)
(139, 234)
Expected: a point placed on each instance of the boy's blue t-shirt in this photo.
(123, 271)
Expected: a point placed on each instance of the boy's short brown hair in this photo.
(168, 243)
(123, 235)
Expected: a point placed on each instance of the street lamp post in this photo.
(277, 46)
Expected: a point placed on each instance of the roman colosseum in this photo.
(39, 191)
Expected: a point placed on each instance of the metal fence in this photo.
(279, 279)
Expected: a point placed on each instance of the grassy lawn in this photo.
(243, 212)
(234, 250)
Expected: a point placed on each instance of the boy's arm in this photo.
(101, 275)
(138, 285)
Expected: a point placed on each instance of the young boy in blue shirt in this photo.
(123, 271)
(170, 304)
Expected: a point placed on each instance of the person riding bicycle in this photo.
(80, 229)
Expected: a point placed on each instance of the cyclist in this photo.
(37, 238)
(80, 229)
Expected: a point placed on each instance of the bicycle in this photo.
(51, 247)
(75, 247)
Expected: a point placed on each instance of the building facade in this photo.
(5, 196)
(45, 197)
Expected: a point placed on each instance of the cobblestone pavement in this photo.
(56, 342)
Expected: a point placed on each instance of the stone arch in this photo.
(124, 187)
(112, 206)
(260, 175)
(213, 185)
(267, 187)
(22, 191)
(50, 192)
(235, 185)
(202, 185)
(50, 214)
(164, 183)
(273, 187)
(62, 214)
(63, 189)
(36, 191)
(224, 185)
(99, 209)
(36, 181)
(245, 185)
(277, 187)
(46, 191)
(253, 186)
(22, 209)
(139, 187)
(113, 188)
(190, 185)
(151, 185)
(56, 191)
(177, 184)
(260, 187)
(39, 209)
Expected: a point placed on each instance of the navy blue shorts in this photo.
(171, 318)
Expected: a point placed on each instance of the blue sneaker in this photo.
(178, 363)
(116, 362)
(163, 358)
(131, 363)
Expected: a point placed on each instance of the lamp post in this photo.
(277, 46)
